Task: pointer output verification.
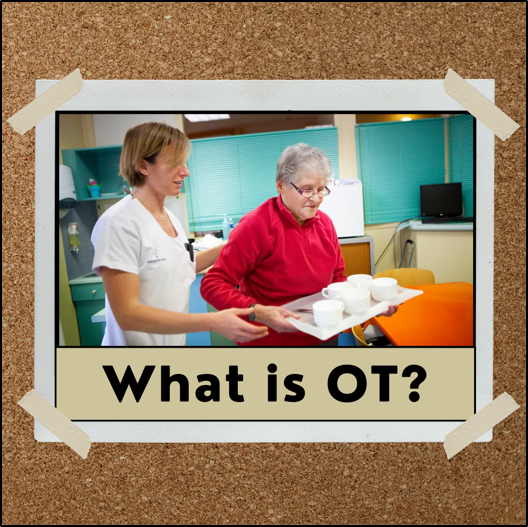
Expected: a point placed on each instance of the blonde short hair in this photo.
(146, 141)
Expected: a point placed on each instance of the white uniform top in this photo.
(127, 237)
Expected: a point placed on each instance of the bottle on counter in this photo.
(225, 228)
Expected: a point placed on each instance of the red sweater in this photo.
(275, 261)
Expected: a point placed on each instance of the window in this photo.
(394, 159)
(234, 175)
(460, 152)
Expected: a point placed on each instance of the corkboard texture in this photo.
(399, 483)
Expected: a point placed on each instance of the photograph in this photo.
(265, 229)
(243, 282)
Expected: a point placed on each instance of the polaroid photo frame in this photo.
(274, 96)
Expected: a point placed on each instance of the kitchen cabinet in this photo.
(358, 254)
(99, 163)
(88, 295)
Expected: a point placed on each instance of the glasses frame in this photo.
(301, 192)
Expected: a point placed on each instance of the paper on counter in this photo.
(207, 242)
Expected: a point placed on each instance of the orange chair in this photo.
(359, 337)
(408, 276)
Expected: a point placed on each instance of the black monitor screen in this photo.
(441, 200)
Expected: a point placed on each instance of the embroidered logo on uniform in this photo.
(156, 259)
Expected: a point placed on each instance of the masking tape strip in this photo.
(478, 424)
(47, 103)
(479, 106)
(56, 422)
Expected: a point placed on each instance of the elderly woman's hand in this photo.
(275, 318)
(389, 312)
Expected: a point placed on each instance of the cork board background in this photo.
(400, 483)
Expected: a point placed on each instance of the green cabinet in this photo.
(89, 299)
(99, 163)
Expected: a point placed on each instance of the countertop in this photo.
(100, 316)
(90, 278)
(417, 225)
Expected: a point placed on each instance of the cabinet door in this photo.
(91, 333)
(93, 291)
(357, 258)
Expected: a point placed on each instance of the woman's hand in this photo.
(228, 324)
(389, 312)
(275, 318)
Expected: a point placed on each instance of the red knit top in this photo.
(275, 261)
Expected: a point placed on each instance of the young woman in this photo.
(141, 251)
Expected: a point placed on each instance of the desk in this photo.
(442, 316)
(445, 249)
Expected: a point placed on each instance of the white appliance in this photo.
(344, 205)
(67, 196)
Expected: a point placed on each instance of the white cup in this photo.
(356, 300)
(383, 288)
(360, 280)
(328, 313)
(333, 291)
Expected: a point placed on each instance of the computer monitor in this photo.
(441, 200)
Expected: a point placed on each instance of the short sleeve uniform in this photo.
(128, 238)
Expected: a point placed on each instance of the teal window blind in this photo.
(394, 159)
(233, 175)
(460, 152)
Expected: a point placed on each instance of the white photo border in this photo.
(274, 96)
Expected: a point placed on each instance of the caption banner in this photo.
(283, 384)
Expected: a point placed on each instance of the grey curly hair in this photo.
(302, 158)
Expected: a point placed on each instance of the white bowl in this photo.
(360, 280)
(383, 288)
(328, 313)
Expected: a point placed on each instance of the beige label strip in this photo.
(47, 103)
(56, 422)
(479, 424)
(479, 106)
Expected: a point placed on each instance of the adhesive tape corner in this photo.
(48, 102)
(478, 424)
(56, 422)
(479, 106)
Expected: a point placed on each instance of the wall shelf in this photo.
(99, 163)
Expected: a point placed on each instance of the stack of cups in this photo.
(357, 297)
(352, 296)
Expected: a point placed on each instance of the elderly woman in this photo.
(143, 256)
(281, 251)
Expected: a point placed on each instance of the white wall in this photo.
(346, 140)
(111, 129)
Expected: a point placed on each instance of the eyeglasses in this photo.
(311, 193)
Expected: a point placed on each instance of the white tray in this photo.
(306, 323)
